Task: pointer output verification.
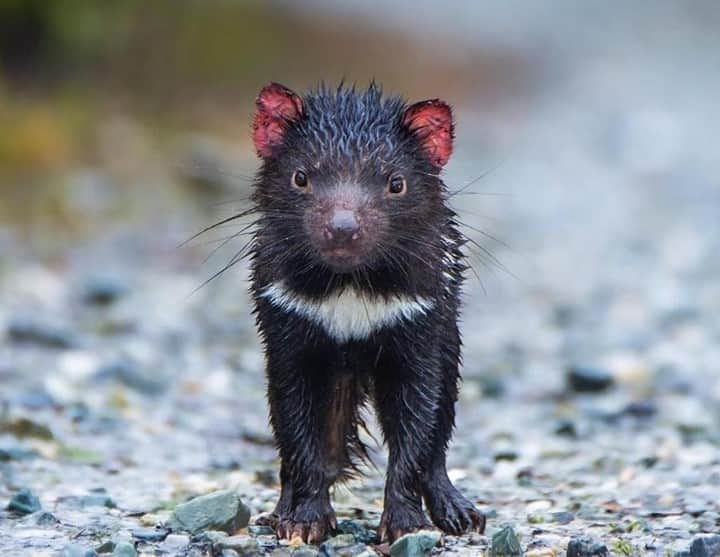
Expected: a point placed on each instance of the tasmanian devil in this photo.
(357, 267)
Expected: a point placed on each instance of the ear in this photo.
(432, 124)
(277, 107)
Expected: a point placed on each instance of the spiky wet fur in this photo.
(408, 369)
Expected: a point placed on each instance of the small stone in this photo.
(476, 539)
(586, 547)
(15, 452)
(267, 477)
(305, 551)
(641, 409)
(339, 546)
(124, 549)
(45, 518)
(151, 535)
(267, 543)
(175, 543)
(221, 510)
(505, 542)
(211, 536)
(588, 380)
(25, 427)
(106, 547)
(103, 291)
(35, 400)
(242, 545)
(149, 519)
(25, 330)
(75, 550)
(133, 376)
(96, 498)
(492, 386)
(506, 455)
(24, 502)
(562, 517)
(261, 530)
(566, 428)
(416, 544)
(705, 546)
(362, 534)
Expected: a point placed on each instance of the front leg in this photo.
(300, 385)
(408, 387)
(448, 508)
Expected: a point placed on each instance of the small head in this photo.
(350, 177)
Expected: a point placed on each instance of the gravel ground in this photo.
(588, 420)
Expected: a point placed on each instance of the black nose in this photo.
(343, 227)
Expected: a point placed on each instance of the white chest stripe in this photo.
(348, 314)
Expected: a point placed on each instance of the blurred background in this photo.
(589, 170)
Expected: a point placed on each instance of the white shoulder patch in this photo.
(347, 314)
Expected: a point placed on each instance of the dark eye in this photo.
(300, 179)
(396, 185)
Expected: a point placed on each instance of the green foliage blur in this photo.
(67, 67)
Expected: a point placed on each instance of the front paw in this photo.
(400, 519)
(311, 522)
(451, 512)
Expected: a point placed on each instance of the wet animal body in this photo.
(357, 270)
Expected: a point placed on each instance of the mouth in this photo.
(342, 260)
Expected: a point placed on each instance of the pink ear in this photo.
(431, 122)
(276, 107)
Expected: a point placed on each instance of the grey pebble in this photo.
(96, 498)
(150, 534)
(243, 545)
(174, 543)
(562, 517)
(702, 546)
(586, 547)
(75, 550)
(210, 536)
(103, 291)
(221, 510)
(45, 518)
(343, 545)
(26, 330)
(24, 502)
(133, 376)
(305, 551)
(506, 455)
(583, 379)
(641, 409)
(505, 542)
(416, 544)
(362, 534)
(261, 530)
(124, 549)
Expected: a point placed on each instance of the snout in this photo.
(342, 234)
(342, 229)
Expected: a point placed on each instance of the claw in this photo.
(313, 531)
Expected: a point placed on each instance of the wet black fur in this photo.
(410, 371)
